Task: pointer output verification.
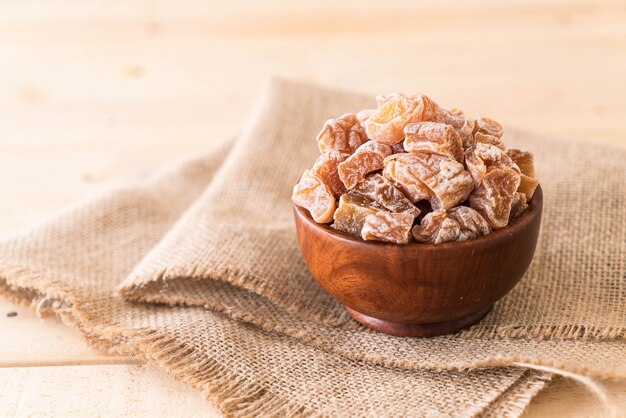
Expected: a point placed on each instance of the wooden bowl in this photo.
(419, 289)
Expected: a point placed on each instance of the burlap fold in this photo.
(71, 265)
(217, 232)
(235, 251)
(241, 230)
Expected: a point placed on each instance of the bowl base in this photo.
(417, 330)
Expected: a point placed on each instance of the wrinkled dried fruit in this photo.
(367, 158)
(448, 117)
(433, 137)
(364, 115)
(449, 175)
(326, 169)
(472, 224)
(436, 228)
(385, 194)
(489, 126)
(457, 224)
(462, 125)
(489, 139)
(482, 158)
(344, 134)
(312, 194)
(403, 178)
(525, 162)
(528, 185)
(394, 113)
(350, 215)
(467, 133)
(519, 205)
(494, 197)
(387, 226)
(446, 178)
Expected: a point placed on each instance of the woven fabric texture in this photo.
(136, 269)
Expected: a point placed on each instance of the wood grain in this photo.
(419, 289)
(95, 92)
(102, 391)
(84, 88)
(27, 340)
(126, 390)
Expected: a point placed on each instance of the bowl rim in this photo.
(534, 209)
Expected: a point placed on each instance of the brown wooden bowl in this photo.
(419, 289)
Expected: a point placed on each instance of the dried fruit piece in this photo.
(482, 158)
(467, 133)
(394, 113)
(519, 205)
(436, 228)
(367, 158)
(528, 185)
(447, 180)
(432, 160)
(472, 224)
(457, 224)
(448, 117)
(433, 137)
(404, 179)
(387, 226)
(312, 194)
(365, 114)
(494, 196)
(489, 139)
(343, 134)
(351, 213)
(524, 161)
(489, 126)
(326, 169)
(385, 194)
(462, 125)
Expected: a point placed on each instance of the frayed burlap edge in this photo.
(232, 276)
(159, 279)
(548, 332)
(298, 333)
(231, 394)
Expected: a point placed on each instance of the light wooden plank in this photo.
(80, 114)
(129, 390)
(93, 93)
(532, 75)
(566, 398)
(39, 342)
(97, 391)
(27, 340)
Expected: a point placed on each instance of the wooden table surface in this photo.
(94, 92)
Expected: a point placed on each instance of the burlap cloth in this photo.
(197, 270)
